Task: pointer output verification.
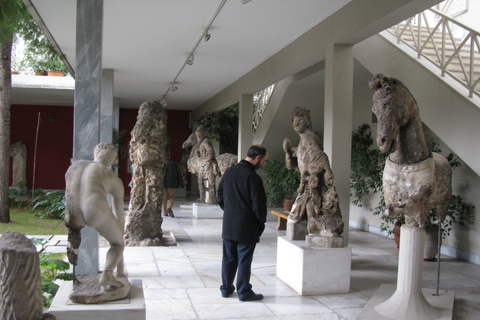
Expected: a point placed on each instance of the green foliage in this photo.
(50, 203)
(366, 165)
(222, 126)
(12, 18)
(51, 269)
(15, 196)
(279, 181)
(366, 176)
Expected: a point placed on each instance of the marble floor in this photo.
(182, 282)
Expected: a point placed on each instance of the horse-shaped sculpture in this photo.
(415, 180)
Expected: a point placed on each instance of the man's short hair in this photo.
(256, 150)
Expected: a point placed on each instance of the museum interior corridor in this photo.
(182, 281)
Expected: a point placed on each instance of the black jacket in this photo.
(173, 175)
(242, 197)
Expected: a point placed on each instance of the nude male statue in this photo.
(87, 186)
(207, 168)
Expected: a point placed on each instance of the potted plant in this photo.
(281, 183)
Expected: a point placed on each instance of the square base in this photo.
(207, 211)
(443, 301)
(132, 307)
(312, 271)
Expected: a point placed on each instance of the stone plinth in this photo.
(312, 271)
(132, 307)
(314, 240)
(207, 211)
(444, 300)
(408, 301)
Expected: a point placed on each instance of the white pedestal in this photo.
(132, 307)
(312, 271)
(207, 211)
(409, 301)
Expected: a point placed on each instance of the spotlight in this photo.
(245, 1)
(190, 60)
(163, 103)
(173, 87)
(207, 36)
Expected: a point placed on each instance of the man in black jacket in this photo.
(242, 197)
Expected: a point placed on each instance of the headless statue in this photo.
(87, 186)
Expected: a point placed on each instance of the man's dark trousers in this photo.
(237, 255)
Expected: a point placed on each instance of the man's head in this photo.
(200, 134)
(105, 153)
(257, 155)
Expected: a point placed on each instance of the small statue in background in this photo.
(317, 200)
(207, 169)
(18, 151)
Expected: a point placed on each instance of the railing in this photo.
(435, 37)
(260, 104)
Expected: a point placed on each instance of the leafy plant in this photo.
(15, 196)
(366, 176)
(51, 269)
(51, 203)
(38, 55)
(279, 181)
(223, 127)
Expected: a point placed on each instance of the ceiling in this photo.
(147, 42)
(253, 44)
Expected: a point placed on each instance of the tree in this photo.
(12, 15)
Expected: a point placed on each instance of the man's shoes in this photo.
(170, 213)
(224, 295)
(254, 297)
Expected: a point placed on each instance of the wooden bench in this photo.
(282, 219)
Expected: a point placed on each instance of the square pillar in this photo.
(88, 77)
(245, 116)
(338, 121)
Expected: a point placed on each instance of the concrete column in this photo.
(88, 76)
(338, 121)
(107, 106)
(245, 116)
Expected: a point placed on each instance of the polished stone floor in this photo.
(182, 282)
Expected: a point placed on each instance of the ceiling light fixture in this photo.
(163, 103)
(190, 60)
(245, 1)
(173, 86)
(207, 35)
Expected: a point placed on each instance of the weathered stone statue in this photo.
(225, 161)
(207, 168)
(18, 151)
(415, 180)
(87, 186)
(20, 284)
(317, 200)
(148, 155)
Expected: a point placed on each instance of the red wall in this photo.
(55, 140)
(54, 143)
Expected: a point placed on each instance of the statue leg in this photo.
(201, 189)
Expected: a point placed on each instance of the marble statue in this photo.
(203, 163)
(18, 151)
(415, 180)
(20, 283)
(87, 185)
(148, 154)
(317, 201)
